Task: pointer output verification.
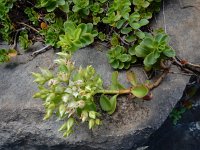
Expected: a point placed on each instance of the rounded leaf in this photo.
(124, 57)
(92, 114)
(126, 30)
(113, 102)
(169, 52)
(143, 22)
(115, 64)
(62, 110)
(105, 103)
(91, 123)
(151, 59)
(131, 77)
(135, 25)
(140, 91)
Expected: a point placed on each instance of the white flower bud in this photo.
(52, 82)
(84, 116)
(81, 103)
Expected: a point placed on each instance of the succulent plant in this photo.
(119, 58)
(69, 93)
(51, 5)
(76, 37)
(154, 48)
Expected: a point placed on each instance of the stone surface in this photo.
(181, 19)
(185, 135)
(21, 117)
(21, 125)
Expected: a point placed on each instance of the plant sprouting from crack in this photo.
(70, 92)
(154, 48)
(76, 37)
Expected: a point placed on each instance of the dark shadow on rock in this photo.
(11, 65)
(185, 135)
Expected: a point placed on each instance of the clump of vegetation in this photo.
(6, 24)
(5, 55)
(71, 25)
(76, 37)
(70, 93)
(119, 59)
(154, 48)
(85, 19)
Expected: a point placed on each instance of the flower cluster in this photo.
(69, 93)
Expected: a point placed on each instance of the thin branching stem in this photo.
(111, 92)
(150, 86)
(158, 81)
(22, 23)
(181, 73)
(187, 67)
(41, 50)
(14, 46)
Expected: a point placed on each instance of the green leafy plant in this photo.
(144, 4)
(176, 114)
(69, 96)
(24, 41)
(51, 5)
(50, 17)
(108, 105)
(119, 17)
(96, 7)
(70, 25)
(76, 37)
(102, 36)
(5, 55)
(32, 15)
(70, 93)
(81, 5)
(53, 31)
(141, 4)
(154, 48)
(117, 10)
(5, 21)
(119, 59)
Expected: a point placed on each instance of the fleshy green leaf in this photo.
(124, 57)
(143, 22)
(91, 123)
(115, 85)
(92, 114)
(140, 91)
(140, 51)
(113, 102)
(135, 25)
(131, 50)
(62, 110)
(130, 38)
(151, 58)
(120, 23)
(169, 52)
(140, 34)
(105, 103)
(115, 64)
(131, 77)
(126, 30)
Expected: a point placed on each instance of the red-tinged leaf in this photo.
(131, 77)
(183, 62)
(148, 97)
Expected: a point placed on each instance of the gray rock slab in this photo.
(21, 125)
(181, 19)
